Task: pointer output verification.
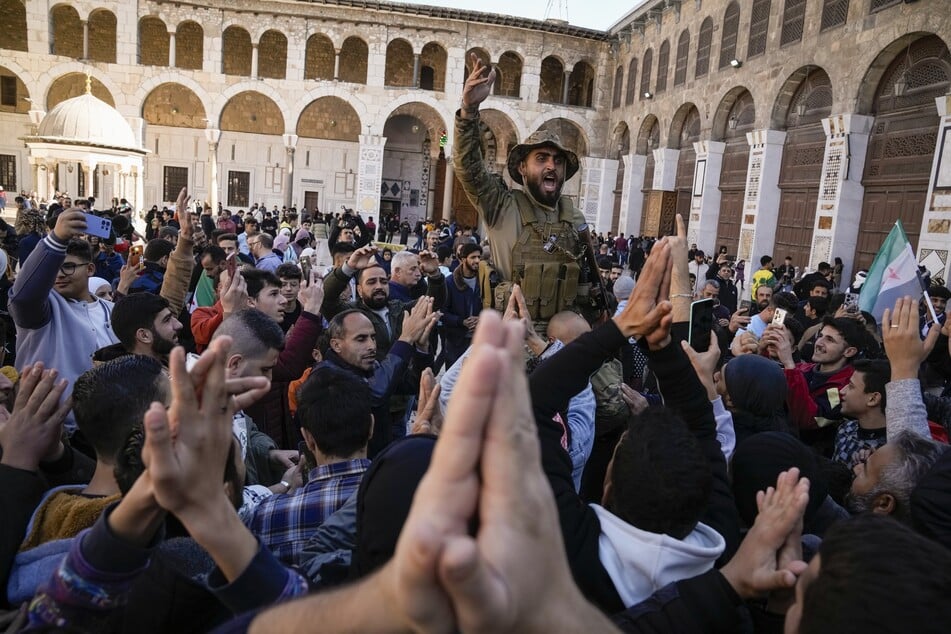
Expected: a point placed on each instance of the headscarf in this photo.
(383, 501)
(757, 389)
(95, 283)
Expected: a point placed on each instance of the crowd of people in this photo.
(207, 427)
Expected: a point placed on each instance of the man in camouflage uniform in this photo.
(533, 232)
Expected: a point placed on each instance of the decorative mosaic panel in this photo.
(753, 179)
(821, 251)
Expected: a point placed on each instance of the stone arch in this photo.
(704, 44)
(354, 57)
(399, 64)
(205, 101)
(431, 112)
(189, 45)
(252, 112)
(514, 116)
(66, 31)
(103, 82)
(648, 136)
(621, 140)
(504, 130)
(332, 90)
(432, 67)
(581, 84)
(736, 111)
(509, 82)
(319, 57)
(552, 80)
(683, 55)
(73, 85)
(102, 36)
(153, 41)
(729, 34)
(22, 102)
(572, 133)
(330, 118)
(236, 51)
(663, 63)
(173, 104)
(618, 87)
(632, 68)
(869, 86)
(222, 99)
(272, 55)
(685, 124)
(646, 70)
(809, 85)
(13, 25)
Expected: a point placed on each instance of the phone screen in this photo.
(746, 305)
(701, 323)
(306, 267)
(135, 255)
(232, 265)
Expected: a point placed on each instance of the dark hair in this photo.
(763, 261)
(786, 301)
(289, 271)
(135, 311)
(226, 236)
(362, 272)
(795, 328)
(79, 249)
(167, 231)
(251, 220)
(443, 252)
(818, 281)
(157, 249)
(864, 562)
(851, 330)
(336, 328)
(661, 480)
(217, 254)
(824, 266)
(875, 373)
(468, 249)
(257, 280)
(342, 247)
(334, 406)
(819, 304)
(939, 291)
(111, 398)
(252, 332)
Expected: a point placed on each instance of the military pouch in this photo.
(548, 303)
(568, 285)
(532, 287)
(501, 294)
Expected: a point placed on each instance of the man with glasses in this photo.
(59, 323)
(261, 247)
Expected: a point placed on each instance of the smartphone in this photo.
(701, 323)
(306, 267)
(746, 304)
(135, 255)
(851, 303)
(232, 265)
(98, 226)
(779, 316)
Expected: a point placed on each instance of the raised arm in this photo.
(181, 262)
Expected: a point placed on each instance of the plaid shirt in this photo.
(284, 522)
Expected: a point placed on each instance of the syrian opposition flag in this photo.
(893, 275)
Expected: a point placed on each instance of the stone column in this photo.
(662, 199)
(934, 239)
(761, 200)
(632, 201)
(41, 192)
(839, 207)
(171, 49)
(596, 202)
(254, 63)
(51, 167)
(213, 135)
(705, 208)
(415, 70)
(85, 24)
(290, 147)
(564, 87)
(447, 210)
(337, 64)
(138, 183)
(370, 174)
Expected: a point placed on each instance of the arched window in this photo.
(319, 57)
(618, 87)
(759, 28)
(189, 44)
(153, 42)
(631, 81)
(646, 73)
(703, 47)
(13, 25)
(834, 13)
(236, 51)
(683, 51)
(272, 55)
(794, 19)
(731, 24)
(510, 71)
(353, 60)
(663, 60)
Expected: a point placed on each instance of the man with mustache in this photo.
(534, 231)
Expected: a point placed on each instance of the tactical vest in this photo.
(546, 266)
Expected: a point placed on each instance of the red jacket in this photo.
(813, 399)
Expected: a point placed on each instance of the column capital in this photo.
(290, 141)
(766, 137)
(944, 105)
(709, 147)
(847, 124)
(212, 135)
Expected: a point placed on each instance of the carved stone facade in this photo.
(777, 86)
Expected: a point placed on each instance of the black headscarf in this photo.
(757, 389)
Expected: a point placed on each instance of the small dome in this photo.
(89, 120)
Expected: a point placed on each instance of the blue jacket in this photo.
(108, 266)
(462, 302)
(150, 281)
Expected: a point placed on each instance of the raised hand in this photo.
(127, 275)
(647, 313)
(362, 258)
(311, 294)
(187, 231)
(903, 344)
(705, 364)
(418, 321)
(636, 402)
(70, 224)
(234, 293)
(32, 432)
(428, 412)
(428, 262)
(478, 85)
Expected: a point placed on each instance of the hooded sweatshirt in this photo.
(640, 562)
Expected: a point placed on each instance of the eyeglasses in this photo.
(68, 268)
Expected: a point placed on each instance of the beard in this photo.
(376, 301)
(162, 346)
(858, 503)
(534, 186)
